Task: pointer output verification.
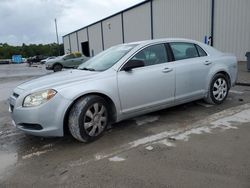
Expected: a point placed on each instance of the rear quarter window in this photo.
(201, 51)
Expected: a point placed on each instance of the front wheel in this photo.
(218, 89)
(88, 118)
(57, 67)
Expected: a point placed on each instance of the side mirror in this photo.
(131, 64)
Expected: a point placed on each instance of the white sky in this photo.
(32, 21)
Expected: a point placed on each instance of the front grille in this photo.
(15, 95)
(12, 101)
(11, 108)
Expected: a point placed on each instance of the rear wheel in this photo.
(88, 118)
(218, 90)
(57, 67)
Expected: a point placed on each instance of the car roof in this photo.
(210, 50)
(140, 44)
(145, 42)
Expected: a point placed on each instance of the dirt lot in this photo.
(191, 145)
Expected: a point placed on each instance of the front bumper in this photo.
(45, 120)
(49, 67)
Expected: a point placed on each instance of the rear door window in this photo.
(182, 50)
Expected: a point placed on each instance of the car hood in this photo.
(56, 80)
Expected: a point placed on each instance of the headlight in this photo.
(38, 98)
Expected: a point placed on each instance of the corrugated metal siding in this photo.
(137, 23)
(82, 37)
(73, 42)
(232, 27)
(182, 18)
(95, 39)
(112, 31)
(66, 44)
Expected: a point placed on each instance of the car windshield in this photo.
(107, 58)
(65, 55)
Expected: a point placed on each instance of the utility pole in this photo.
(57, 38)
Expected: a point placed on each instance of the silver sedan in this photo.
(121, 82)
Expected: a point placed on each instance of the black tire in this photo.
(57, 67)
(81, 126)
(218, 89)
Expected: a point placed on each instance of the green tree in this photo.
(6, 51)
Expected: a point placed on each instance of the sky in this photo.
(32, 21)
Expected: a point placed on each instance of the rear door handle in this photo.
(165, 70)
(207, 63)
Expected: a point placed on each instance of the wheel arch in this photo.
(112, 109)
(218, 70)
(57, 63)
(213, 73)
(224, 72)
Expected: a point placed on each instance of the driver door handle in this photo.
(165, 70)
(207, 63)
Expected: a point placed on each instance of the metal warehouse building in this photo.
(227, 22)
